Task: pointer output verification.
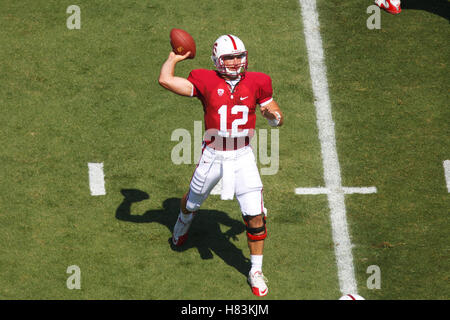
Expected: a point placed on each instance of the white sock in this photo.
(185, 217)
(256, 261)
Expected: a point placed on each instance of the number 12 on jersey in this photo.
(223, 112)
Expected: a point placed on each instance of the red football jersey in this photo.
(230, 113)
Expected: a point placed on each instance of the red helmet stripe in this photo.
(232, 40)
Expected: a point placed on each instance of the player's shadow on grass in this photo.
(438, 7)
(205, 233)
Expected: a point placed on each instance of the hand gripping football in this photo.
(182, 42)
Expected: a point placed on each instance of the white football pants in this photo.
(240, 177)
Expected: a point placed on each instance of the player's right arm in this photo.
(168, 80)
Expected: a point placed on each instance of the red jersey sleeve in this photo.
(265, 91)
(196, 78)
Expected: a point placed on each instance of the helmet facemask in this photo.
(232, 69)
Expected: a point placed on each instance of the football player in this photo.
(391, 6)
(229, 95)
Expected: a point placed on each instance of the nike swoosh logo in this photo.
(243, 98)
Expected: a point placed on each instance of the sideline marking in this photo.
(447, 173)
(96, 179)
(331, 168)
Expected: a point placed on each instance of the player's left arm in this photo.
(272, 112)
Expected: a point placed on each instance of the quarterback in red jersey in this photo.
(229, 95)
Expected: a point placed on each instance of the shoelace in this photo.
(259, 278)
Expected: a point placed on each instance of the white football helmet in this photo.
(229, 46)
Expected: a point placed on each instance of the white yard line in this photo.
(332, 171)
(318, 190)
(360, 190)
(344, 190)
(447, 173)
(96, 179)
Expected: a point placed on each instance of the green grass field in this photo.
(71, 97)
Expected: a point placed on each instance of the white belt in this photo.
(228, 154)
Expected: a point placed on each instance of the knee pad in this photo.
(252, 233)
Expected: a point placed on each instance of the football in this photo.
(351, 297)
(182, 42)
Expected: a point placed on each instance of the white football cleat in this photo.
(391, 6)
(258, 283)
(180, 230)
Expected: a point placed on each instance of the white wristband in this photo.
(274, 122)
